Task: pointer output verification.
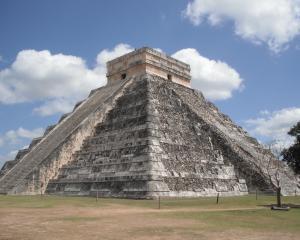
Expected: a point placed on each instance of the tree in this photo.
(273, 168)
(291, 155)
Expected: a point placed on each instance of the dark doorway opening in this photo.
(170, 77)
(123, 76)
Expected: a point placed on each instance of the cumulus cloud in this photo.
(14, 136)
(107, 55)
(275, 23)
(59, 105)
(57, 80)
(273, 126)
(13, 139)
(216, 79)
(159, 50)
(9, 156)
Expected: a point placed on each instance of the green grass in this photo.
(166, 203)
(47, 202)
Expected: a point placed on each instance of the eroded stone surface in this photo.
(153, 143)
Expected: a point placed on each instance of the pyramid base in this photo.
(133, 190)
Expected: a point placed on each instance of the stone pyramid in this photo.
(145, 134)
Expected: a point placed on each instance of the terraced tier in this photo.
(147, 147)
(32, 172)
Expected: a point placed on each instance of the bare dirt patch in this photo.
(81, 223)
(126, 221)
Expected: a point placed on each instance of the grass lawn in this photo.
(53, 217)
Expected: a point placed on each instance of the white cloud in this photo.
(12, 154)
(14, 136)
(9, 156)
(106, 55)
(264, 112)
(273, 126)
(274, 22)
(59, 105)
(216, 79)
(58, 80)
(159, 50)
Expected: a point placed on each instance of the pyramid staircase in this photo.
(59, 142)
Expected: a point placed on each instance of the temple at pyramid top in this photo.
(148, 60)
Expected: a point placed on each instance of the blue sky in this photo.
(244, 57)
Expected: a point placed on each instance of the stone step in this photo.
(113, 146)
(56, 136)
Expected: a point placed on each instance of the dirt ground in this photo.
(117, 221)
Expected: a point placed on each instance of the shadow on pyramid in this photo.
(145, 134)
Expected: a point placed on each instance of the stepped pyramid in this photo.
(145, 134)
